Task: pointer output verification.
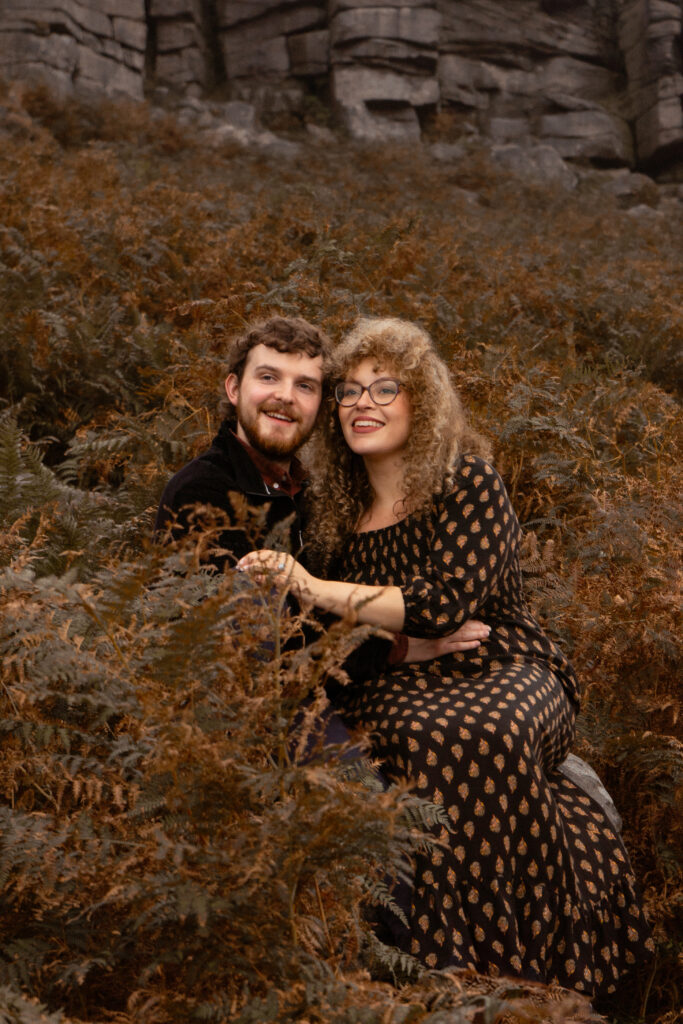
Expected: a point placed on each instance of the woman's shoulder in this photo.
(474, 481)
(474, 472)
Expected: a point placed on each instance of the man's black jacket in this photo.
(219, 478)
(224, 479)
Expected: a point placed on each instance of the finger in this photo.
(465, 645)
(474, 631)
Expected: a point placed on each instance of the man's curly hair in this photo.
(439, 435)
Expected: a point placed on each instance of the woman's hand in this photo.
(279, 567)
(467, 638)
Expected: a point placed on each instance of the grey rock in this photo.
(624, 184)
(309, 53)
(590, 134)
(354, 86)
(272, 145)
(237, 12)
(505, 129)
(320, 134)
(643, 212)
(100, 74)
(225, 134)
(392, 54)
(269, 57)
(649, 33)
(518, 30)
(175, 35)
(540, 164)
(398, 125)
(239, 114)
(582, 775)
(130, 33)
(378, 105)
(544, 69)
(278, 22)
(419, 25)
(448, 152)
(344, 5)
(124, 8)
(170, 8)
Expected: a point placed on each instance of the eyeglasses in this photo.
(382, 391)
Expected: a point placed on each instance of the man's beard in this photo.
(269, 446)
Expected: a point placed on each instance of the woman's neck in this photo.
(386, 479)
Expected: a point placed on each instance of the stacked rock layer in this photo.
(600, 82)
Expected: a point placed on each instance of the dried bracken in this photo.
(162, 856)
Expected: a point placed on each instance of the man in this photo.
(274, 388)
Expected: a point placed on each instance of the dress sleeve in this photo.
(475, 534)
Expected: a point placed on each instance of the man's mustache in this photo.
(284, 410)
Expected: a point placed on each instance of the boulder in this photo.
(448, 152)
(582, 775)
(540, 164)
(379, 105)
(590, 134)
(396, 123)
(354, 86)
(98, 74)
(320, 134)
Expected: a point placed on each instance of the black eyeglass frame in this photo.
(369, 388)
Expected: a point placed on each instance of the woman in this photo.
(419, 536)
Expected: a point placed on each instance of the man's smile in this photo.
(279, 415)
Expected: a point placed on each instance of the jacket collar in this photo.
(254, 474)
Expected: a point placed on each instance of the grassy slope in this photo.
(130, 253)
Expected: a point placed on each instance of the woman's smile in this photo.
(364, 425)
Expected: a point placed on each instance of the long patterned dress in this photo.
(531, 879)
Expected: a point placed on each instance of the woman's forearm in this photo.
(373, 606)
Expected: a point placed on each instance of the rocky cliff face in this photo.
(599, 80)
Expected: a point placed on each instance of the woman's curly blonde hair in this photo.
(439, 435)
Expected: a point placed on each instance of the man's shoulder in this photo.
(210, 477)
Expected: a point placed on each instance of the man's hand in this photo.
(467, 638)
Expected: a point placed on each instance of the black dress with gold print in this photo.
(530, 878)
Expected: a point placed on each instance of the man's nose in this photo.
(285, 390)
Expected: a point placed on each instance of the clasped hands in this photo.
(284, 570)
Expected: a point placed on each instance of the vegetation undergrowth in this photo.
(162, 856)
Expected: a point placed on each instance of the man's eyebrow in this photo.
(274, 369)
(267, 366)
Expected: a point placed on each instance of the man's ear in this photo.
(232, 387)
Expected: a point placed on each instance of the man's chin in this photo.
(274, 447)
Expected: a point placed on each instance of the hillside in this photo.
(161, 860)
